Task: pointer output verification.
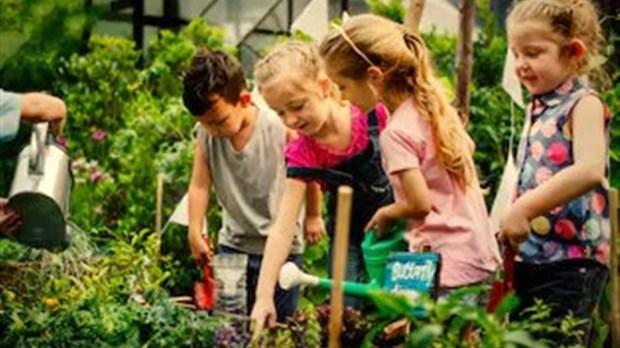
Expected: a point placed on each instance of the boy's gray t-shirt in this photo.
(249, 184)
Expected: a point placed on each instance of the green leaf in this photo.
(523, 339)
(424, 336)
(508, 303)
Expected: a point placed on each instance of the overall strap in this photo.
(373, 123)
(331, 177)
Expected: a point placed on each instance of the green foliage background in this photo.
(126, 124)
(113, 285)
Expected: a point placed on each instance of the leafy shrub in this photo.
(36, 36)
(447, 322)
(96, 88)
(83, 297)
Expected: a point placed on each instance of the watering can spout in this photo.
(291, 276)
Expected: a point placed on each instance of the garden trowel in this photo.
(204, 292)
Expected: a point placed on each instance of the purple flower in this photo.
(99, 135)
(96, 177)
(62, 142)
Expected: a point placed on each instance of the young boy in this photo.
(240, 152)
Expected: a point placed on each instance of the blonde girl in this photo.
(337, 145)
(426, 152)
(559, 222)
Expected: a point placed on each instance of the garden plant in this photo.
(116, 285)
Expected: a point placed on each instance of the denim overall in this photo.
(371, 190)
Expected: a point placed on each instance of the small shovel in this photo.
(204, 292)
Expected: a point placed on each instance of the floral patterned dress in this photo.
(579, 229)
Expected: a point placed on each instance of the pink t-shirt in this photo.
(458, 225)
(305, 152)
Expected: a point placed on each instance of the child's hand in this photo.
(514, 228)
(314, 229)
(264, 312)
(417, 243)
(202, 251)
(380, 222)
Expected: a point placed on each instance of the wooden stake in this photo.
(341, 245)
(158, 212)
(414, 15)
(615, 268)
(465, 57)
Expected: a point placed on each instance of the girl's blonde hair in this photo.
(292, 57)
(569, 19)
(369, 40)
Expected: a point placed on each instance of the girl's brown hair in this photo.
(369, 40)
(569, 19)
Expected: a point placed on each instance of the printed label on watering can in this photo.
(413, 273)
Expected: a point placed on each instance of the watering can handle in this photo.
(37, 147)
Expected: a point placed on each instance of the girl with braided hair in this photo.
(426, 151)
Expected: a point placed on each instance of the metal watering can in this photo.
(40, 192)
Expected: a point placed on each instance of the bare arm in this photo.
(198, 204)
(588, 171)
(417, 203)
(278, 246)
(313, 199)
(280, 237)
(314, 227)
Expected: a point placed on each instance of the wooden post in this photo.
(158, 211)
(465, 57)
(414, 14)
(138, 24)
(615, 268)
(341, 244)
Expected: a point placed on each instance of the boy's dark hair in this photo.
(211, 72)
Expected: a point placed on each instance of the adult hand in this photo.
(200, 246)
(41, 107)
(314, 229)
(380, 222)
(514, 228)
(264, 312)
(57, 126)
(9, 220)
(58, 115)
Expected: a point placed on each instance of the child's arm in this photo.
(279, 240)
(588, 171)
(198, 202)
(416, 205)
(314, 227)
